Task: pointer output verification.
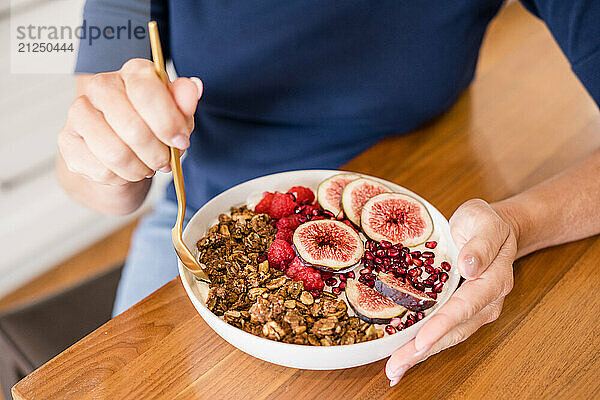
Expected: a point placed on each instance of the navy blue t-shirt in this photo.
(310, 84)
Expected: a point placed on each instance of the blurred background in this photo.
(39, 225)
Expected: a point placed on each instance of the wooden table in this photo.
(525, 118)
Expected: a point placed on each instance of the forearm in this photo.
(112, 200)
(561, 209)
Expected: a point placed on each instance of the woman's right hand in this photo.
(119, 129)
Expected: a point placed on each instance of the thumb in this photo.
(479, 232)
(187, 92)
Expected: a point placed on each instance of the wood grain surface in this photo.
(525, 118)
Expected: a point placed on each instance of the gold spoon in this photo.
(184, 254)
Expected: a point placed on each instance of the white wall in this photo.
(39, 225)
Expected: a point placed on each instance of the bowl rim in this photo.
(185, 276)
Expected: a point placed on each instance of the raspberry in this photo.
(264, 205)
(290, 222)
(280, 253)
(298, 271)
(303, 194)
(284, 234)
(283, 204)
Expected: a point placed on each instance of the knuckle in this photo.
(98, 83)
(120, 157)
(78, 107)
(136, 65)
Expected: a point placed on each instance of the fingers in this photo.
(81, 161)
(187, 92)
(106, 146)
(408, 356)
(107, 93)
(479, 233)
(154, 103)
(468, 300)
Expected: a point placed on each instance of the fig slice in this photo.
(370, 305)
(357, 193)
(329, 192)
(402, 293)
(397, 218)
(328, 245)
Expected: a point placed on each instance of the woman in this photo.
(307, 84)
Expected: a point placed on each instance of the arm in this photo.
(559, 210)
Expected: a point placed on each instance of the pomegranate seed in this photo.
(393, 253)
(370, 276)
(408, 323)
(411, 317)
(434, 277)
(331, 282)
(428, 283)
(438, 287)
(371, 284)
(408, 259)
(316, 212)
(342, 278)
(415, 254)
(414, 272)
(390, 330)
(429, 261)
(387, 262)
(381, 253)
(443, 277)
(395, 322)
(417, 262)
(369, 264)
(364, 271)
(328, 214)
(369, 255)
(378, 269)
(299, 209)
(302, 220)
(350, 275)
(446, 266)
(385, 244)
(398, 246)
(315, 293)
(429, 269)
(326, 275)
(419, 286)
(335, 290)
(362, 279)
(342, 285)
(420, 315)
(427, 254)
(401, 326)
(261, 257)
(431, 245)
(378, 260)
(432, 295)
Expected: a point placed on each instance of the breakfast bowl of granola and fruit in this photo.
(319, 269)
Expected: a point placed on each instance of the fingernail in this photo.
(199, 85)
(398, 374)
(181, 142)
(470, 265)
(165, 169)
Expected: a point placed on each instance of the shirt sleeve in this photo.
(114, 31)
(575, 25)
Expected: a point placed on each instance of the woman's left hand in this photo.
(488, 247)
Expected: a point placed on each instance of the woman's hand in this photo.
(119, 129)
(488, 246)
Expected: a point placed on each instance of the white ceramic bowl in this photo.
(291, 355)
